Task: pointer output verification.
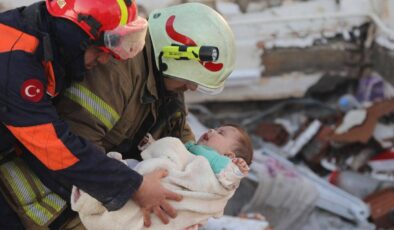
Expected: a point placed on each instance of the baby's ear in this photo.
(230, 155)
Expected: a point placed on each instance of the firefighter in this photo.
(43, 48)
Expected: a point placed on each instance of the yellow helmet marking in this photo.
(124, 13)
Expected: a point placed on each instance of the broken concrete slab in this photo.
(364, 132)
(352, 118)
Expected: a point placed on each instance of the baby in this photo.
(220, 146)
(205, 173)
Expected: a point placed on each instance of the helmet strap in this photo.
(99, 41)
(85, 44)
(162, 66)
(128, 2)
(92, 22)
(159, 76)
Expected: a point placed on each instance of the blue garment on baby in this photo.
(218, 162)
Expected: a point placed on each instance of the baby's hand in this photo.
(145, 142)
(242, 165)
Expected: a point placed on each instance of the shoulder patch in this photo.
(32, 90)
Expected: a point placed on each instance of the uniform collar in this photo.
(150, 93)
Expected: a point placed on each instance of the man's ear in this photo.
(230, 155)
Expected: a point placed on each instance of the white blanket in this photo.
(189, 175)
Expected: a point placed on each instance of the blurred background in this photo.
(313, 86)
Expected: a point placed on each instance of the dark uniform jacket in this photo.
(28, 81)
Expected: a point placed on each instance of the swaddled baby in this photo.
(205, 173)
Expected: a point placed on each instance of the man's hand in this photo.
(152, 197)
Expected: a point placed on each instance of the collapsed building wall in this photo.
(382, 61)
(332, 56)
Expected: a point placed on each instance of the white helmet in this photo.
(193, 42)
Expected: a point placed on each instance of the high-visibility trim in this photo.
(51, 85)
(13, 39)
(124, 13)
(92, 103)
(43, 142)
(40, 204)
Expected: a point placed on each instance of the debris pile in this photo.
(327, 155)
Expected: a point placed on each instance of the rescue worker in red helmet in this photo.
(43, 48)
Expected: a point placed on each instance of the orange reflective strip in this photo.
(42, 141)
(12, 39)
(51, 86)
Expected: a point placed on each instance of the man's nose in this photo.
(192, 86)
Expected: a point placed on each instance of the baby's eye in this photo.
(219, 131)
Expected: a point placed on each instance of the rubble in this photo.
(363, 132)
(382, 210)
(304, 144)
(235, 223)
(272, 132)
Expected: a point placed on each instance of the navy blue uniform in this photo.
(28, 83)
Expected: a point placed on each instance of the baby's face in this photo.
(222, 139)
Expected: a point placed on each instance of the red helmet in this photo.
(94, 16)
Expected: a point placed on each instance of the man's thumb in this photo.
(161, 172)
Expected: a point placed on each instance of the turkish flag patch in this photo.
(32, 90)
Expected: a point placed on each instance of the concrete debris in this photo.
(235, 223)
(283, 196)
(352, 118)
(294, 146)
(383, 162)
(358, 184)
(272, 132)
(382, 211)
(317, 149)
(345, 136)
(302, 145)
(384, 134)
(372, 87)
(321, 219)
(329, 84)
(364, 132)
(357, 161)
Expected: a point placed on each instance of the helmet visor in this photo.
(128, 40)
(210, 91)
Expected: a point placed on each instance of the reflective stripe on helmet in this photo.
(92, 103)
(124, 15)
(38, 203)
(94, 17)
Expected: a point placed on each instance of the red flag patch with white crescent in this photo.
(32, 90)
